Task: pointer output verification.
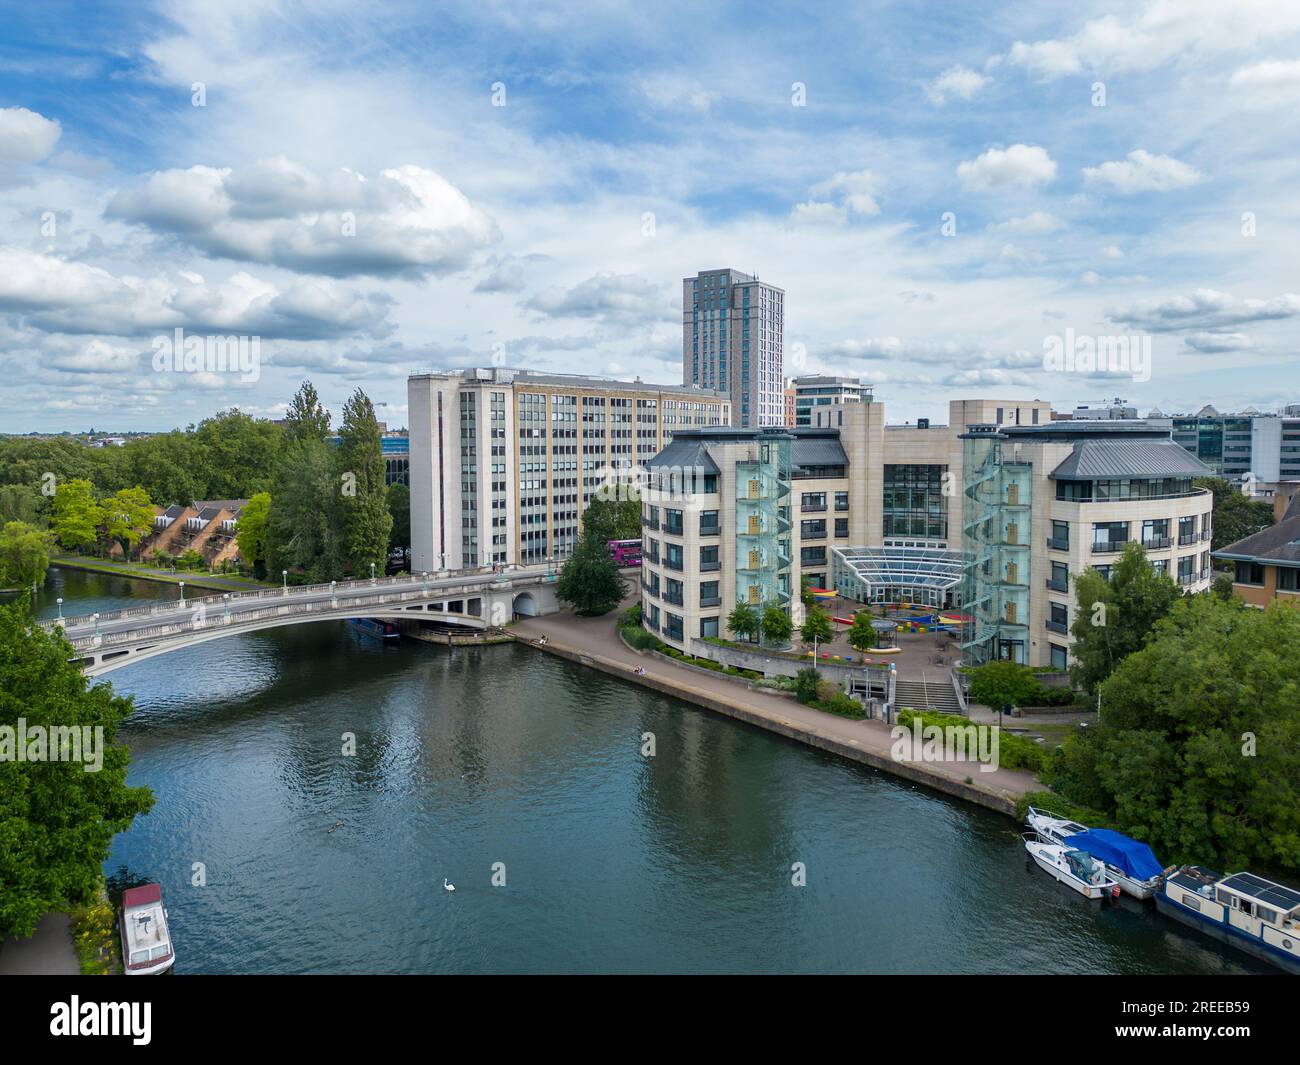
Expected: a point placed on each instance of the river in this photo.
(473, 758)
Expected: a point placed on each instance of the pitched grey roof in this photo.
(686, 452)
(1278, 544)
(817, 451)
(1107, 459)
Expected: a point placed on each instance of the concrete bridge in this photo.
(474, 599)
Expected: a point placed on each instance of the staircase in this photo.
(933, 693)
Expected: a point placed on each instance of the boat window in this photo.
(138, 956)
(1191, 901)
(1265, 914)
(1224, 897)
(158, 952)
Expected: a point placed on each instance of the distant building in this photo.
(733, 341)
(819, 390)
(1117, 409)
(788, 394)
(1266, 566)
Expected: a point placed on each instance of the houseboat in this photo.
(380, 630)
(1243, 910)
(1130, 862)
(1075, 869)
(146, 940)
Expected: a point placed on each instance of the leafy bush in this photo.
(191, 560)
(805, 684)
(641, 639)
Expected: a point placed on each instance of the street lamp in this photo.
(424, 581)
(333, 597)
(372, 573)
(60, 602)
(96, 626)
(284, 574)
(226, 605)
(182, 593)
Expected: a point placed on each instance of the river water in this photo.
(474, 759)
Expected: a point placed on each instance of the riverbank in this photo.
(140, 571)
(595, 642)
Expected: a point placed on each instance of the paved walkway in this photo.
(597, 639)
(47, 952)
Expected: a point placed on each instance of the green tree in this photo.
(776, 624)
(743, 622)
(236, 455)
(76, 514)
(56, 820)
(24, 555)
(399, 506)
(251, 532)
(304, 515)
(614, 519)
(590, 580)
(806, 683)
(862, 637)
(1235, 515)
(1116, 617)
(805, 593)
(366, 521)
(22, 502)
(306, 418)
(169, 467)
(1003, 685)
(128, 517)
(1197, 750)
(817, 626)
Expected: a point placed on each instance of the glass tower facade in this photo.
(763, 533)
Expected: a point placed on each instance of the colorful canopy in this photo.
(1129, 856)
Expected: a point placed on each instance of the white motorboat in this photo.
(1076, 869)
(146, 940)
(1129, 861)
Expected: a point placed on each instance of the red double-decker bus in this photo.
(625, 552)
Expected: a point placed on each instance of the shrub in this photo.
(641, 639)
(805, 684)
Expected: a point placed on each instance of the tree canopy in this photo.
(1002, 686)
(613, 519)
(56, 820)
(590, 580)
(1236, 515)
(24, 555)
(1197, 750)
(817, 626)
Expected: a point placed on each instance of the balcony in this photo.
(1109, 547)
(813, 508)
(1058, 545)
(712, 600)
(710, 530)
(649, 523)
(1206, 534)
(1059, 627)
(710, 567)
(673, 598)
(652, 559)
(1057, 586)
(1188, 538)
(674, 528)
(1156, 543)
(1186, 579)
(672, 563)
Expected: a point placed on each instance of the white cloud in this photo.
(1036, 223)
(1112, 251)
(608, 297)
(408, 220)
(818, 213)
(855, 189)
(1204, 309)
(1143, 172)
(1016, 254)
(957, 82)
(1213, 343)
(26, 137)
(1270, 74)
(1020, 165)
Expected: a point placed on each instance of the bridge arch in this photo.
(524, 605)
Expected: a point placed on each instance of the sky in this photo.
(945, 191)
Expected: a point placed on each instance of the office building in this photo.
(818, 390)
(989, 514)
(503, 462)
(733, 341)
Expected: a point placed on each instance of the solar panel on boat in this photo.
(1256, 887)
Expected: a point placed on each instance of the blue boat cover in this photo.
(1127, 855)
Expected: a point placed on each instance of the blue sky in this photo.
(355, 193)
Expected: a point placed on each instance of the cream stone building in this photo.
(504, 462)
(988, 515)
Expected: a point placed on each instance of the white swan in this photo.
(446, 886)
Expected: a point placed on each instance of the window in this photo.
(914, 503)
(1059, 581)
(673, 522)
(1187, 530)
(841, 500)
(1247, 573)
(709, 595)
(673, 556)
(1287, 579)
(672, 626)
(1060, 540)
(812, 556)
(1109, 535)
(1058, 618)
(709, 627)
(709, 523)
(708, 558)
(841, 526)
(812, 530)
(673, 592)
(1060, 657)
(813, 501)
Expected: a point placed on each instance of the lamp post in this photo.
(182, 593)
(424, 581)
(60, 602)
(225, 605)
(372, 573)
(333, 596)
(97, 626)
(284, 575)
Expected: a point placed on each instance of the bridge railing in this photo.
(469, 582)
(210, 621)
